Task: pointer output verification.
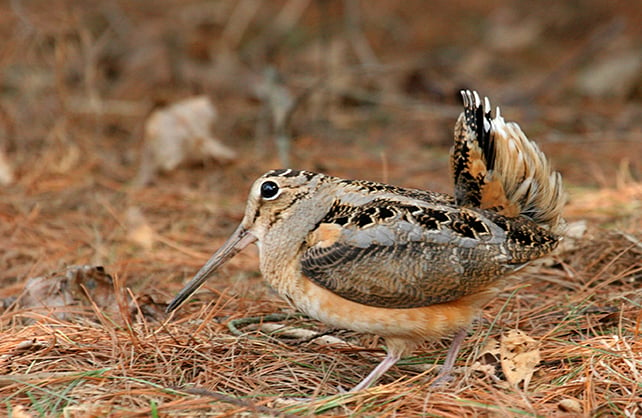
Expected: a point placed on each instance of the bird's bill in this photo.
(240, 239)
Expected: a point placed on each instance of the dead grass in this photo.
(75, 89)
(585, 317)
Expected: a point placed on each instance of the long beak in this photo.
(240, 239)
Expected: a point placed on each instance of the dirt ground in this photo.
(350, 88)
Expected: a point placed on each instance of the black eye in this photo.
(269, 190)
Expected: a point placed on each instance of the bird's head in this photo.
(273, 199)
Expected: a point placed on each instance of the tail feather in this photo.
(496, 167)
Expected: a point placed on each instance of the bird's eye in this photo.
(269, 190)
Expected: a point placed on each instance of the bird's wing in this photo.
(405, 255)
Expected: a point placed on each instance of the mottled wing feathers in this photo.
(411, 254)
(353, 273)
(386, 246)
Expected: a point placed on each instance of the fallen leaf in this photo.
(146, 306)
(180, 134)
(519, 356)
(138, 229)
(59, 293)
(570, 405)
(6, 171)
(487, 362)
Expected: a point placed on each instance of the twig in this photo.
(317, 335)
(234, 324)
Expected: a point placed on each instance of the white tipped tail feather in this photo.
(497, 167)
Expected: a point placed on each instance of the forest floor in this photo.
(368, 92)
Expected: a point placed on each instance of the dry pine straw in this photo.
(585, 311)
(585, 315)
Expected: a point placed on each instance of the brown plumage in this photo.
(408, 265)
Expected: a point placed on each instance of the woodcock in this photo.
(408, 265)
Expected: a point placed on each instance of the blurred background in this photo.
(89, 92)
(131, 131)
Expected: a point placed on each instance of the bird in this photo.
(408, 265)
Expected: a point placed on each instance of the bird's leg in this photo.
(391, 358)
(455, 346)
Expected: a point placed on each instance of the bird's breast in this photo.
(422, 323)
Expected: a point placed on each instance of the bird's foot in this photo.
(443, 378)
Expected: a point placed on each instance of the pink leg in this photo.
(455, 346)
(383, 367)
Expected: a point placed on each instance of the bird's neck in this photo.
(281, 247)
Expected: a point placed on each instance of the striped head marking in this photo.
(283, 202)
(276, 195)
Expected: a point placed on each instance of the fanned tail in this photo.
(496, 167)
